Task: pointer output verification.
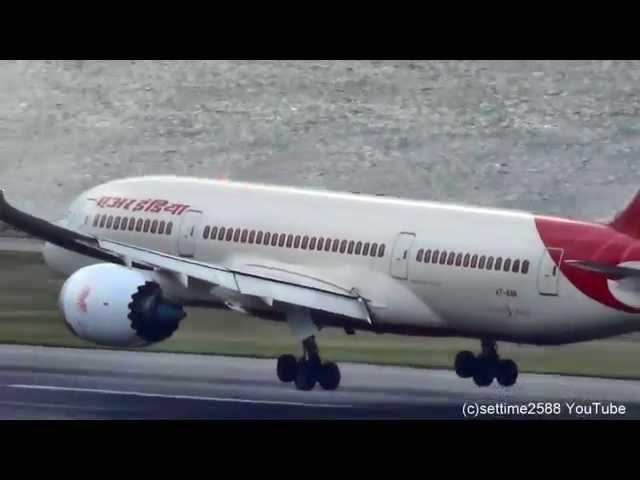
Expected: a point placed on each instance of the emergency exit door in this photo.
(401, 254)
(549, 272)
(189, 228)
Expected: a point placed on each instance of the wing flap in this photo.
(308, 297)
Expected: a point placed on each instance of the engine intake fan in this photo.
(152, 317)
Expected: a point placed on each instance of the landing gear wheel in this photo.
(287, 368)
(329, 376)
(465, 361)
(306, 376)
(507, 373)
(483, 375)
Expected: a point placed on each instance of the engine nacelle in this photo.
(115, 306)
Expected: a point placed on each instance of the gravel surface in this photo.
(555, 137)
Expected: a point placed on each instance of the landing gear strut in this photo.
(309, 369)
(486, 367)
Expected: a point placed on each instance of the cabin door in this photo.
(549, 272)
(189, 228)
(401, 254)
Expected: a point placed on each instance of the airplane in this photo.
(136, 251)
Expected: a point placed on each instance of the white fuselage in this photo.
(537, 306)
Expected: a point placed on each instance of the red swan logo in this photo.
(82, 299)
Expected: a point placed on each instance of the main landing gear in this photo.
(309, 369)
(486, 367)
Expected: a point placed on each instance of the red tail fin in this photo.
(628, 221)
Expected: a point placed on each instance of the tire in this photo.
(464, 364)
(287, 368)
(329, 376)
(483, 375)
(305, 377)
(507, 373)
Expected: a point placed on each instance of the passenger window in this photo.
(459, 260)
(103, 221)
(427, 256)
(207, 231)
(474, 261)
(125, 223)
(483, 260)
(336, 243)
(443, 257)
(525, 267)
(312, 243)
(327, 244)
(214, 233)
(365, 249)
(282, 240)
(132, 224)
(109, 221)
(507, 265)
(296, 242)
(252, 236)
(274, 239)
(236, 235)
(267, 238)
(161, 228)
(147, 222)
(490, 263)
(96, 219)
(451, 259)
(154, 226)
(358, 248)
(516, 266)
(467, 257)
(139, 225)
(245, 234)
(259, 237)
(305, 242)
(116, 223)
(221, 233)
(343, 246)
(229, 235)
(289, 240)
(169, 228)
(374, 249)
(381, 250)
(498, 263)
(436, 255)
(320, 243)
(420, 255)
(351, 246)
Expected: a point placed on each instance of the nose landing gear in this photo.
(486, 367)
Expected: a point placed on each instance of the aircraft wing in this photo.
(259, 281)
(288, 288)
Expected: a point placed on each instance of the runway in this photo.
(57, 383)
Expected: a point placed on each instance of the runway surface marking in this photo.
(178, 397)
(54, 405)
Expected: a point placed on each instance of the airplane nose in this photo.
(48, 254)
(54, 258)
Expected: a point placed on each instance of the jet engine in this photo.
(115, 306)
